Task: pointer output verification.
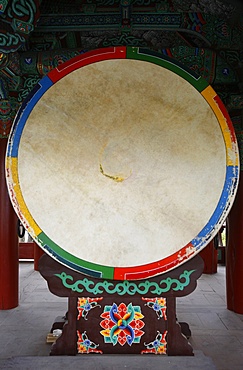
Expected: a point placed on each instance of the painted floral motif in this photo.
(158, 304)
(85, 305)
(158, 346)
(85, 345)
(122, 324)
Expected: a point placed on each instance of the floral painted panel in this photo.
(122, 324)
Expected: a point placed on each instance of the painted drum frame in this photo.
(187, 251)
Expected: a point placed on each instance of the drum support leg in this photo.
(66, 344)
(176, 342)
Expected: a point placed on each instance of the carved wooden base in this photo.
(122, 317)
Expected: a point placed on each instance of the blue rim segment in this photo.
(230, 184)
(23, 114)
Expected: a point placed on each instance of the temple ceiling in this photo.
(24, 25)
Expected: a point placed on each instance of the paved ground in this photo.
(217, 333)
(110, 362)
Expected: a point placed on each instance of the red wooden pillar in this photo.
(9, 261)
(234, 254)
(38, 252)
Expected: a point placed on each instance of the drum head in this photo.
(122, 164)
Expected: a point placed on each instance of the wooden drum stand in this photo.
(122, 317)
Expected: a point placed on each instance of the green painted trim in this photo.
(85, 267)
(126, 287)
(164, 61)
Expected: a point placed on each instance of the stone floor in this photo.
(217, 333)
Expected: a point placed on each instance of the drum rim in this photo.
(186, 252)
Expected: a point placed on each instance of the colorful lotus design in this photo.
(122, 324)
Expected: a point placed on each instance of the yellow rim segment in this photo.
(231, 148)
(12, 165)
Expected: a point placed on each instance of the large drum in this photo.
(122, 164)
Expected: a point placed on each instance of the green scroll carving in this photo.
(126, 287)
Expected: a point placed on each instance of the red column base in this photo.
(210, 258)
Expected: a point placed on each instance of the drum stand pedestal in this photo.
(121, 317)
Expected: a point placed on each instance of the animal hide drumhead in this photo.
(122, 164)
